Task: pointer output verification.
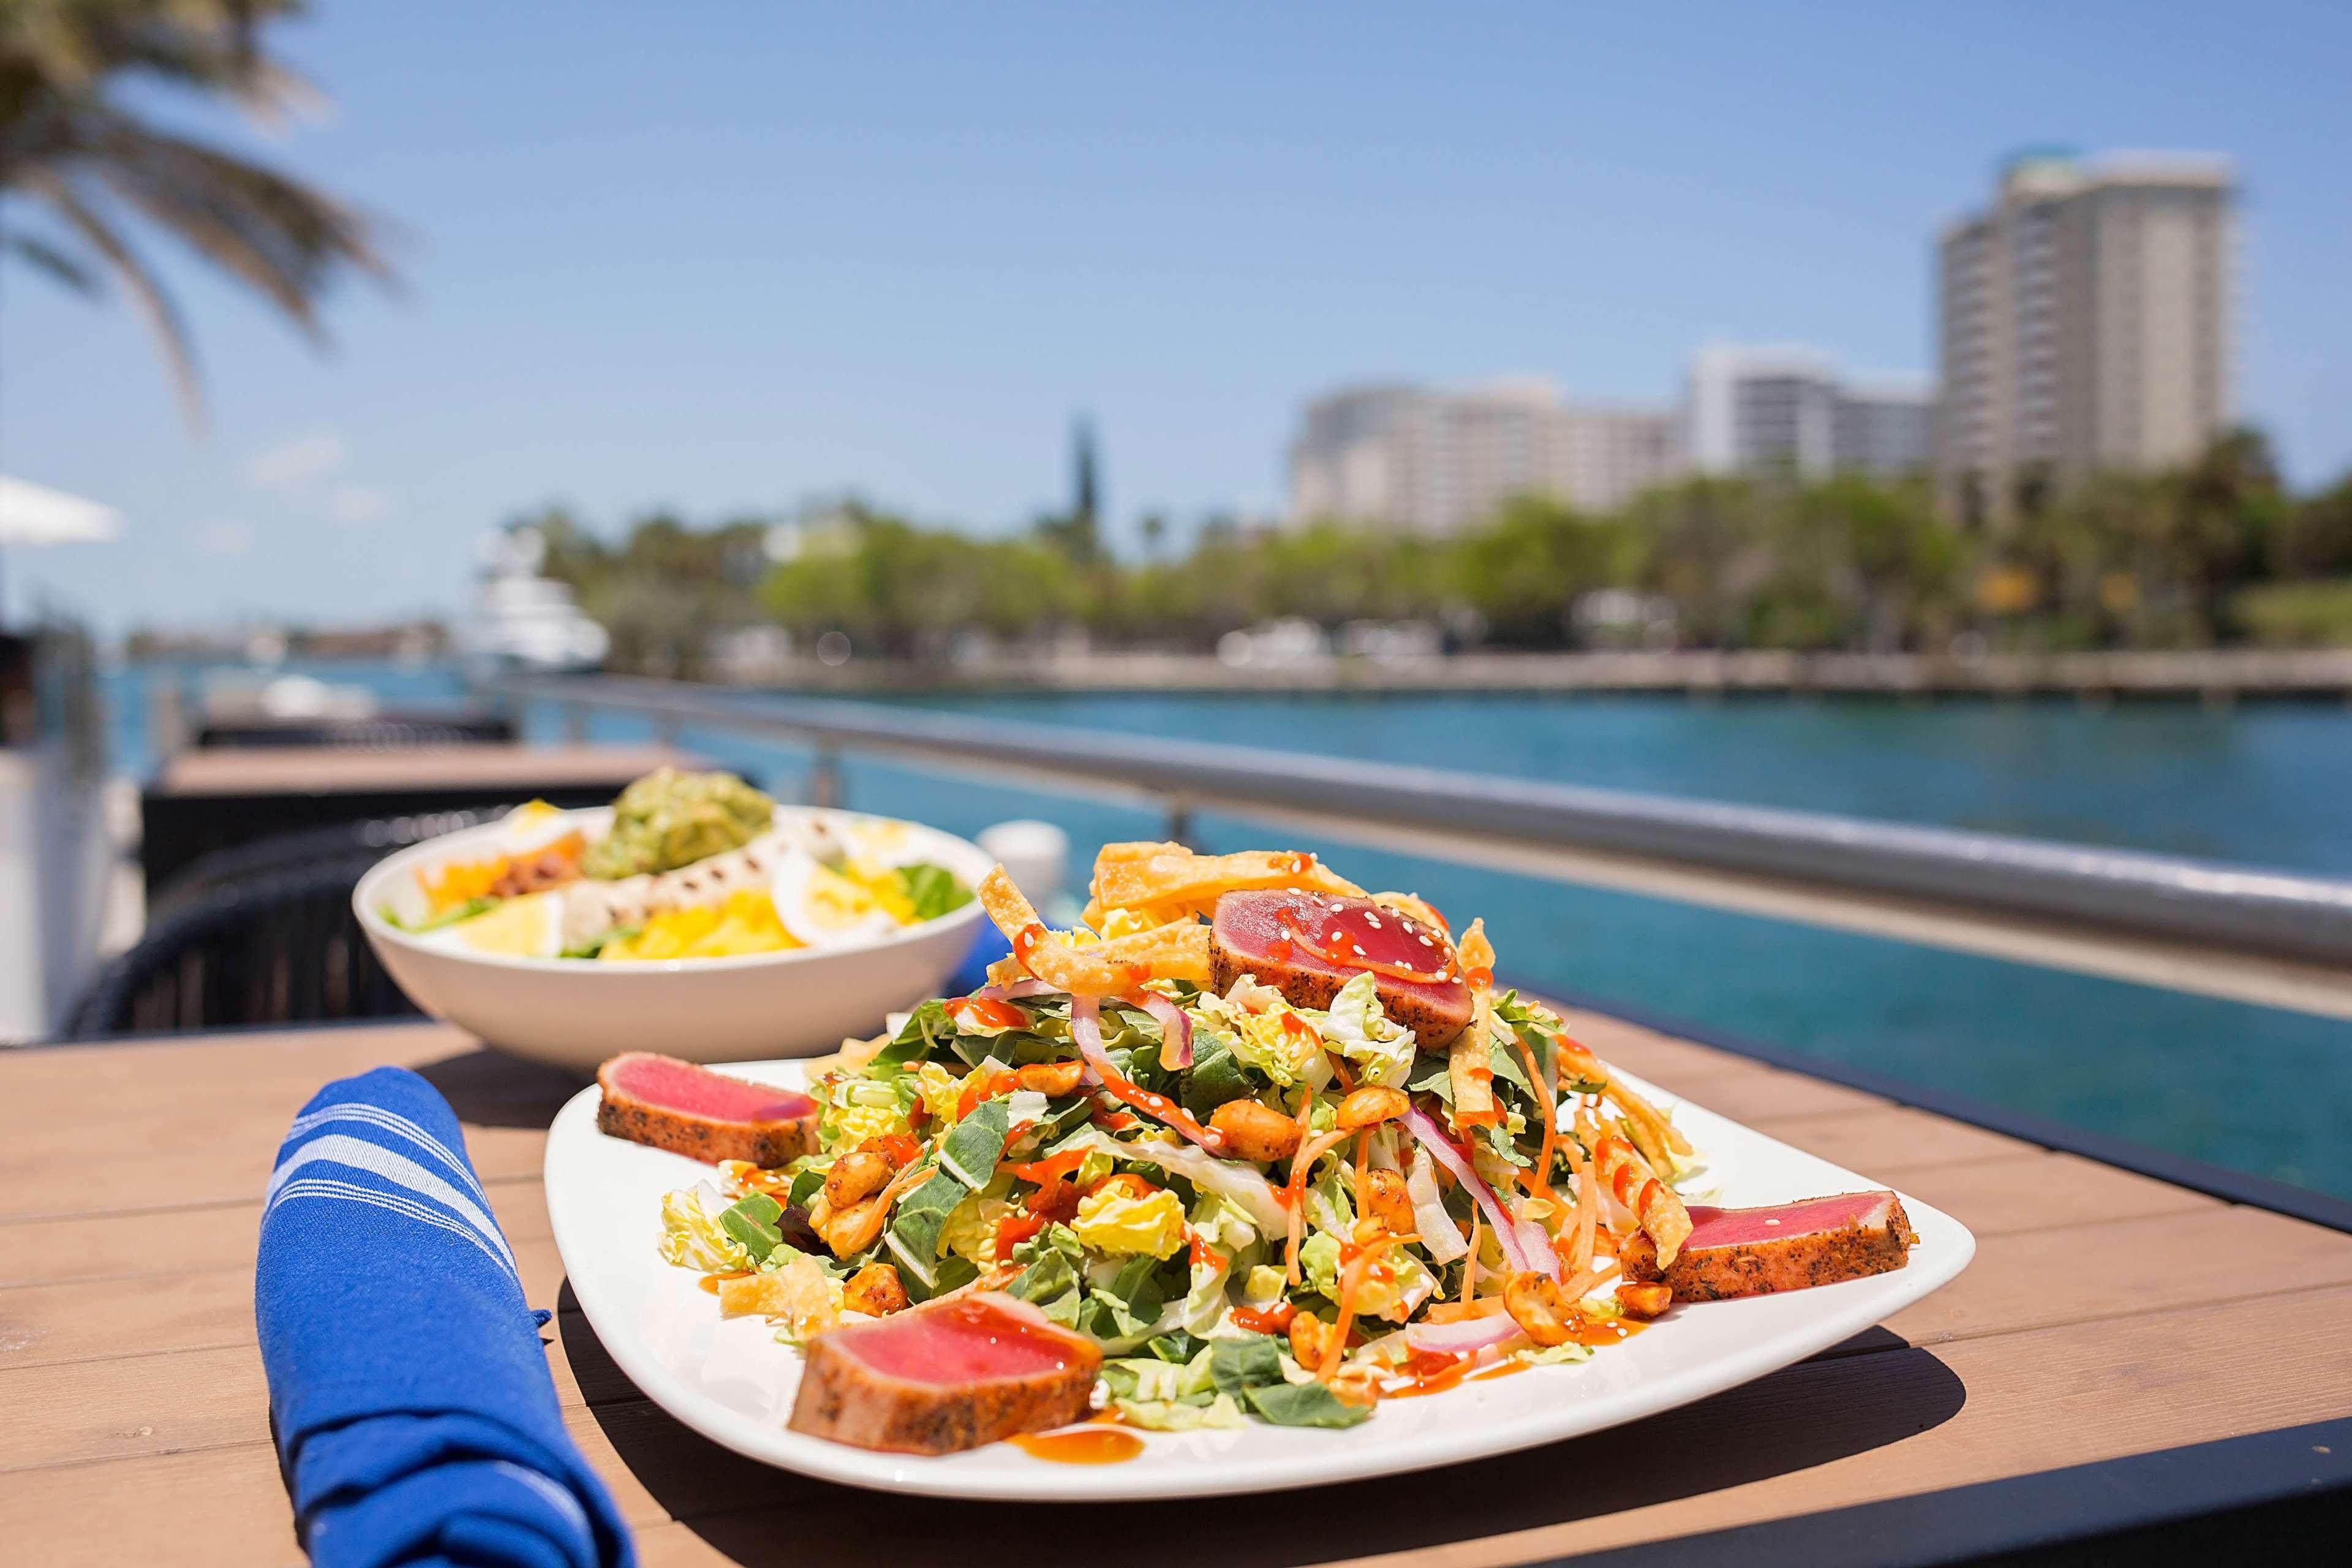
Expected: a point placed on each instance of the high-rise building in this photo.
(1437, 461)
(1787, 409)
(2086, 320)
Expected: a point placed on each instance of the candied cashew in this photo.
(1644, 1301)
(1370, 1106)
(1255, 1133)
(1052, 1078)
(856, 1175)
(1385, 1202)
(1533, 1301)
(875, 1289)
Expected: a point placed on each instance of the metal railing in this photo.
(2276, 938)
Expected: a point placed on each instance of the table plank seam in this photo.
(201, 1205)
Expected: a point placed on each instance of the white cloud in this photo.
(296, 464)
(359, 503)
(224, 538)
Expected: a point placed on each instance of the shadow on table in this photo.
(493, 1091)
(1808, 1415)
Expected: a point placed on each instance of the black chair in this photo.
(261, 934)
(385, 731)
(289, 851)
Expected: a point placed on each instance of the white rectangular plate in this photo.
(731, 1382)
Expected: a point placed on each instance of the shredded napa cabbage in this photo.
(1360, 1030)
(1114, 1220)
(1249, 1016)
(1408, 1284)
(692, 1237)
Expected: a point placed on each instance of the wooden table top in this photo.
(333, 770)
(2106, 1314)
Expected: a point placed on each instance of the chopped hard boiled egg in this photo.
(531, 926)
(532, 826)
(822, 908)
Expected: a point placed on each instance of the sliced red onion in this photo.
(1175, 1028)
(1085, 1027)
(1538, 1242)
(1463, 1338)
(1440, 1237)
(1507, 1234)
(1014, 992)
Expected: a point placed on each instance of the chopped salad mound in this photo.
(691, 864)
(1277, 1146)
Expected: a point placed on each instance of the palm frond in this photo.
(64, 140)
(279, 238)
(60, 264)
(161, 313)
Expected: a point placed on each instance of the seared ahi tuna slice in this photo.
(701, 1114)
(1787, 1246)
(950, 1375)
(1308, 945)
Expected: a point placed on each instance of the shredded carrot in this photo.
(1588, 1210)
(1351, 1278)
(1363, 1164)
(1574, 1290)
(1540, 1180)
(1639, 1111)
(1294, 1196)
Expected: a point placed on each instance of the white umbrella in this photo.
(35, 514)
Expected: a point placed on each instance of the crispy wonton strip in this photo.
(1648, 1125)
(1476, 956)
(1168, 879)
(1100, 969)
(1650, 1201)
(1472, 1072)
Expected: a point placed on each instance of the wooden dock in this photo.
(2184, 1348)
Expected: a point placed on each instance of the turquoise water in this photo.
(2250, 1088)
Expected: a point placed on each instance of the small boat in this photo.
(522, 621)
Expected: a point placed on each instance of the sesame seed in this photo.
(1772, 1222)
(1372, 921)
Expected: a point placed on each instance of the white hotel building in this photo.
(1432, 461)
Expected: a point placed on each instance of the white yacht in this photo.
(521, 620)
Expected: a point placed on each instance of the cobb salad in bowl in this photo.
(687, 865)
(694, 913)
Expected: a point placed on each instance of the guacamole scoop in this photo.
(667, 819)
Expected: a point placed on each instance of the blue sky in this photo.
(722, 258)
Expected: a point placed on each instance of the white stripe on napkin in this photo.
(560, 1497)
(397, 1169)
(349, 1192)
(390, 1122)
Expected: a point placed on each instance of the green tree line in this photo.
(2216, 552)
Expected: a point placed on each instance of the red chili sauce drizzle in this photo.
(986, 1012)
(1090, 1445)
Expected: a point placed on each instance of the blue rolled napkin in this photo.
(408, 1389)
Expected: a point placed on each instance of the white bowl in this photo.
(574, 1013)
